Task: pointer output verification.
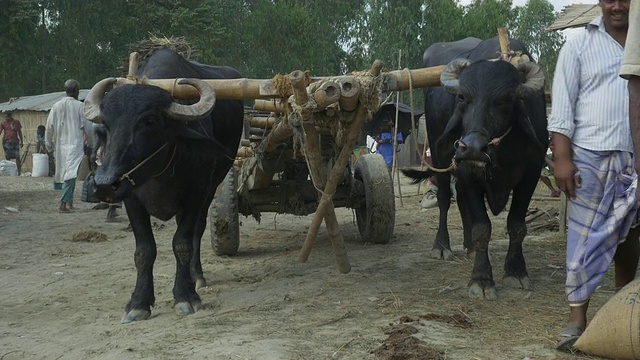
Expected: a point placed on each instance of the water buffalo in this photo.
(489, 117)
(165, 159)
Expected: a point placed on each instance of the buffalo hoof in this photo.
(185, 308)
(441, 254)
(135, 315)
(514, 282)
(200, 282)
(477, 292)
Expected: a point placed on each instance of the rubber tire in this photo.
(376, 215)
(225, 225)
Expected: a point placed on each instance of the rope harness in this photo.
(126, 176)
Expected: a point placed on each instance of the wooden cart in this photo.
(297, 159)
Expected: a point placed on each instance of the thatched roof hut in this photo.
(575, 15)
(32, 111)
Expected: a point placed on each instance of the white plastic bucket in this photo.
(40, 165)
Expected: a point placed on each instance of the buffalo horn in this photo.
(534, 79)
(451, 74)
(198, 110)
(94, 99)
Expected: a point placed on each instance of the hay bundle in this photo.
(146, 47)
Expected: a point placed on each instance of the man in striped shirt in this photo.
(589, 125)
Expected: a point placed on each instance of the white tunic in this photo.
(64, 135)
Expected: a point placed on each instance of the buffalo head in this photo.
(489, 106)
(142, 123)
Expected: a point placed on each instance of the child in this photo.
(40, 147)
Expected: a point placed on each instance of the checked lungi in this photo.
(600, 217)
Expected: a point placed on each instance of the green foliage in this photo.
(45, 42)
(544, 45)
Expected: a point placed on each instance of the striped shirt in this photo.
(590, 102)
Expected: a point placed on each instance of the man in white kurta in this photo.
(64, 136)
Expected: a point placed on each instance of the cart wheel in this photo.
(225, 226)
(376, 215)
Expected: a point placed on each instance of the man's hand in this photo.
(567, 177)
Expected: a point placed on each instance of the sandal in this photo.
(567, 337)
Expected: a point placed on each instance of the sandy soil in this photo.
(63, 299)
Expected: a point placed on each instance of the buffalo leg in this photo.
(515, 268)
(142, 298)
(466, 222)
(441, 245)
(481, 284)
(196, 265)
(186, 298)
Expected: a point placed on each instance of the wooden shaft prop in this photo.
(319, 179)
(324, 95)
(281, 132)
(334, 177)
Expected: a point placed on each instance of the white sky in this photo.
(557, 4)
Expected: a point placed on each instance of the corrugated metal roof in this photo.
(42, 102)
(575, 15)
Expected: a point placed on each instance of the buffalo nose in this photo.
(472, 149)
(104, 179)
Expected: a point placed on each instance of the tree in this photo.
(529, 27)
(482, 18)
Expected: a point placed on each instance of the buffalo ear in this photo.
(524, 122)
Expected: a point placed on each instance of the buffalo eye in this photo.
(150, 121)
(504, 100)
(462, 98)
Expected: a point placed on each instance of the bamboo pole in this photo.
(394, 163)
(263, 122)
(247, 89)
(274, 106)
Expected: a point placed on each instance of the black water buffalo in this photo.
(489, 116)
(165, 159)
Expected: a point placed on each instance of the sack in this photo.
(8, 168)
(88, 190)
(614, 331)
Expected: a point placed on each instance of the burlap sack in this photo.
(614, 331)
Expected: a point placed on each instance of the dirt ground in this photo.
(63, 299)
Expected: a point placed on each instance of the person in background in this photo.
(64, 136)
(593, 158)
(40, 145)
(630, 70)
(12, 140)
(385, 144)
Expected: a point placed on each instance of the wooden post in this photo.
(133, 64)
(503, 36)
